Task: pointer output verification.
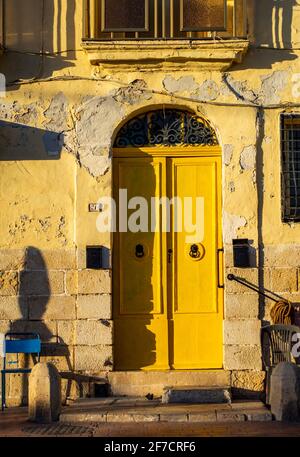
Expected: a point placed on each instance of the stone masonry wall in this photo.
(43, 292)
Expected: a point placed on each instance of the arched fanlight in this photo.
(166, 127)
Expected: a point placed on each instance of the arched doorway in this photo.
(167, 269)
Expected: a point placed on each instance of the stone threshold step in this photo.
(124, 410)
(196, 394)
(140, 383)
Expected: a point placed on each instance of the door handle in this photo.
(220, 286)
(170, 253)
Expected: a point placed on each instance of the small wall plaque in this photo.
(95, 207)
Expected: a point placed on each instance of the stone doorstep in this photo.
(112, 410)
(196, 394)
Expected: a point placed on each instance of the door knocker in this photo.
(194, 251)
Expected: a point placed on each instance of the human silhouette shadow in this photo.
(34, 297)
(33, 28)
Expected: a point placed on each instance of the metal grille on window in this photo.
(290, 151)
(166, 127)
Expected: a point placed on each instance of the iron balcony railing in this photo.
(163, 19)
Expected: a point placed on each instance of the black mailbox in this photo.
(94, 257)
(241, 253)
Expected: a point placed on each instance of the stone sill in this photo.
(138, 55)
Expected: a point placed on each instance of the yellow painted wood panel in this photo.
(197, 304)
(140, 312)
(168, 314)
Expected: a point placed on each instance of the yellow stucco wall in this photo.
(44, 202)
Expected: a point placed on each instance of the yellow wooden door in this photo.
(196, 301)
(140, 301)
(168, 309)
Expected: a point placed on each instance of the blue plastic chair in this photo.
(31, 344)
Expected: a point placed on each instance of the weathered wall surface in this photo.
(56, 159)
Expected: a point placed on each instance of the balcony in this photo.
(165, 34)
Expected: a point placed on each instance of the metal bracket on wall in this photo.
(232, 277)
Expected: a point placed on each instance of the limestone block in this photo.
(46, 329)
(94, 306)
(241, 306)
(247, 384)
(94, 282)
(9, 282)
(44, 393)
(201, 395)
(65, 332)
(249, 274)
(285, 392)
(282, 255)
(238, 357)
(284, 279)
(5, 326)
(42, 282)
(53, 307)
(93, 332)
(93, 358)
(13, 308)
(242, 332)
(60, 355)
(51, 259)
(72, 282)
(12, 259)
(16, 389)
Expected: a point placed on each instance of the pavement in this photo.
(136, 409)
(13, 423)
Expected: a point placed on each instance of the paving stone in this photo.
(196, 395)
(224, 416)
(259, 416)
(203, 417)
(121, 417)
(145, 417)
(80, 417)
(173, 417)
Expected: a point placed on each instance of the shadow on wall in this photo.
(270, 27)
(35, 26)
(135, 300)
(34, 298)
(20, 142)
(273, 24)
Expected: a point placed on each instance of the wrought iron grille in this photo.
(290, 156)
(166, 127)
(169, 19)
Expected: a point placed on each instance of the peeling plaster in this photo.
(95, 165)
(239, 89)
(208, 91)
(271, 85)
(57, 113)
(134, 93)
(248, 158)
(183, 84)
(96, 120)
(231, 226)
(227, 153)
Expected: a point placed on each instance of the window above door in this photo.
(169, 31)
